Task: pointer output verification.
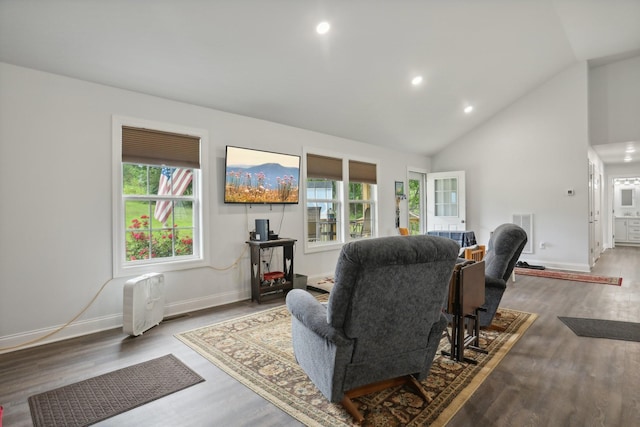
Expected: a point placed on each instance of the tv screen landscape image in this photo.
(256, 176)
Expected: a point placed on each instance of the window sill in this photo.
(158, 267)
(322, 247)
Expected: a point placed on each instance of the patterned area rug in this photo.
(256, 350)
(565, 275)
(89, 401)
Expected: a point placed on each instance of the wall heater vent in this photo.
(143, 303)
(526, 222)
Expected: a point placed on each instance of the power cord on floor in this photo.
(55, 331)
(104, 285)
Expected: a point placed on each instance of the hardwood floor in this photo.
(550, 378)
(554, 378)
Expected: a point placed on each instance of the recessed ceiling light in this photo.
(468, 109)
(416, 80)
(323, 27)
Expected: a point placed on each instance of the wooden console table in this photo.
(261, 288)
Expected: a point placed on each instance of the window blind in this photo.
(324, 167)
(155, 147)
(362, 172)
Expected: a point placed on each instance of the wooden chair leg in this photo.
(415, 384)
(352, 409)
(370, 388)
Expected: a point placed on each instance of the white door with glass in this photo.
(446, 208)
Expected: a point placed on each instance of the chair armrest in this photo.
(313, 315)
(492, 282)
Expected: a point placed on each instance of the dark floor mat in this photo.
(596, 328)
(89, 401)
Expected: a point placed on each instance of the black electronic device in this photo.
(262, 230)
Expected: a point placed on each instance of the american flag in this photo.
(173, 181)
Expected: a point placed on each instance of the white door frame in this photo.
(423, 197)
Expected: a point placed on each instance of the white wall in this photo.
(524, 160)
(55, 183)
(614, 117)
(621, 170)
(614, 110)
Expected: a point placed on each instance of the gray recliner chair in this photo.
(383, 320)
(504, 249)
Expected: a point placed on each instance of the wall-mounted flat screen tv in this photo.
(255, 176)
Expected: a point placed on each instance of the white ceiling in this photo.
(263, 58)
(617, 152)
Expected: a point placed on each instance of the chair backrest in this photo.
(404, 231)
(504, 249)
(389, 291)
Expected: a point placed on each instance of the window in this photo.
(324, 206)
(446, 197)
(336, 208)
(362, 180)
(158, 208)
(158, 211)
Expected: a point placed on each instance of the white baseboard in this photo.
(29, 339)
(196, 304)
(34, 338)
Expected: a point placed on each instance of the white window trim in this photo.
(423, 197)
(312, 247)
(373, 202)
(120, 267)
(374, 217)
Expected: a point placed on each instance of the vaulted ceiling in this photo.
(264, 58)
